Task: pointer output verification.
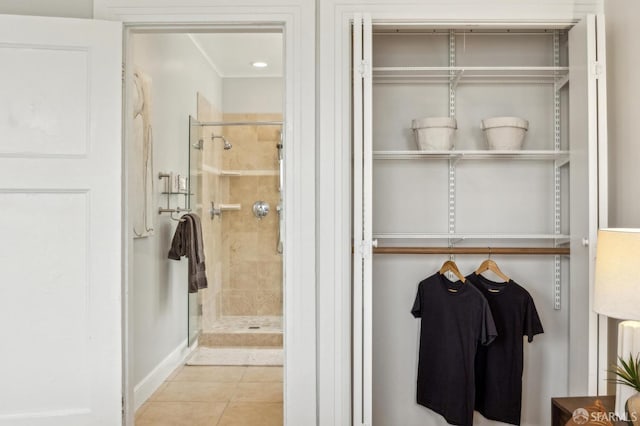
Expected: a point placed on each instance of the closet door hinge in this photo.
(364, 69)
(597, 70)
(366, 247)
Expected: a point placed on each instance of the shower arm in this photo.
(227, 145)
(200, 144)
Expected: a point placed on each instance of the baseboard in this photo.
(147, 386)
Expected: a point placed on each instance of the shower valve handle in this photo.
(260, 209)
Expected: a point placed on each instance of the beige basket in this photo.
(434, 133)
(505, 133)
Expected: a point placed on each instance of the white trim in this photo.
(367, 222)
(602, 337)
(359, 389)
(147, 386)
(128, 415)
(592, 157)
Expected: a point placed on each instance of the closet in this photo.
(535, 210)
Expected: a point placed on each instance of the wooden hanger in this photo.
(490, 265)
(450, 265)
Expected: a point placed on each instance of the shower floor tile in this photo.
(246, 324)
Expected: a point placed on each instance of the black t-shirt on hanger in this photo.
(455, 317)
(499, 366)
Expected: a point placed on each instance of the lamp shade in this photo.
(617, 283)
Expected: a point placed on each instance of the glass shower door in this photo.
(195, 205)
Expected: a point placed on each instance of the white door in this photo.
(60, 222)
(588, 182)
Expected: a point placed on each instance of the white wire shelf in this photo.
(558, 238)
(462, 74)
(561, 156)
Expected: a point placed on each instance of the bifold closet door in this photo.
(588, 196)
(362, 220)
(577, 329)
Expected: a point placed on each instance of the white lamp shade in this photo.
(617, 283)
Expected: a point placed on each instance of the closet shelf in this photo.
(558, 238)
(561, 156)
(462, 74)
(474, 250)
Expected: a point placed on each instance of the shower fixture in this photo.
(260, 209)
(200, 144)
(227, 145)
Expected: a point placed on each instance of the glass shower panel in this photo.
(194, 203)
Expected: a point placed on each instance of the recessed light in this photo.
(259, 64)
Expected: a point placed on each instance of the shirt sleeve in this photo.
(488, 332)
(532, 324)
(417, 304)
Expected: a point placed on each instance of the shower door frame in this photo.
(297, 20)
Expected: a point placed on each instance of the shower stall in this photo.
(236, 171)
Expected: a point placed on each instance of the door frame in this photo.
(298, 22)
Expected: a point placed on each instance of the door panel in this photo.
(359, 391)
(584, 144)
(60, 192)
(363, 219)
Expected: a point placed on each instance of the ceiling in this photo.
(231, 54)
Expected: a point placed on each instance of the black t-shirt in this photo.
(455, 317)
(499, 366)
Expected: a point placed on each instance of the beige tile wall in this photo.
(252, 268)
(243, 267)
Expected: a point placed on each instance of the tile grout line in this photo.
(222, 414)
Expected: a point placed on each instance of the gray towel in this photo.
(187, 241)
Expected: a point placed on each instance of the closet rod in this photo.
(473, 250)
(238, 123)
(401, 32)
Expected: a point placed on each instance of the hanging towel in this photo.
(141, 150)
(187, 241)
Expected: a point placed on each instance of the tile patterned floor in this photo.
(216, 396)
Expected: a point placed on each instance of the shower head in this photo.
(227, 145)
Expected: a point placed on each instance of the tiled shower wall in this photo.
(251, 265)
(243, 267)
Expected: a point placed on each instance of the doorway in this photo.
(210, 142)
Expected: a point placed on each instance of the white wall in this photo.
(159, 285)
(623, 86)
(63, 8)
(253, 95)
(623, 105)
